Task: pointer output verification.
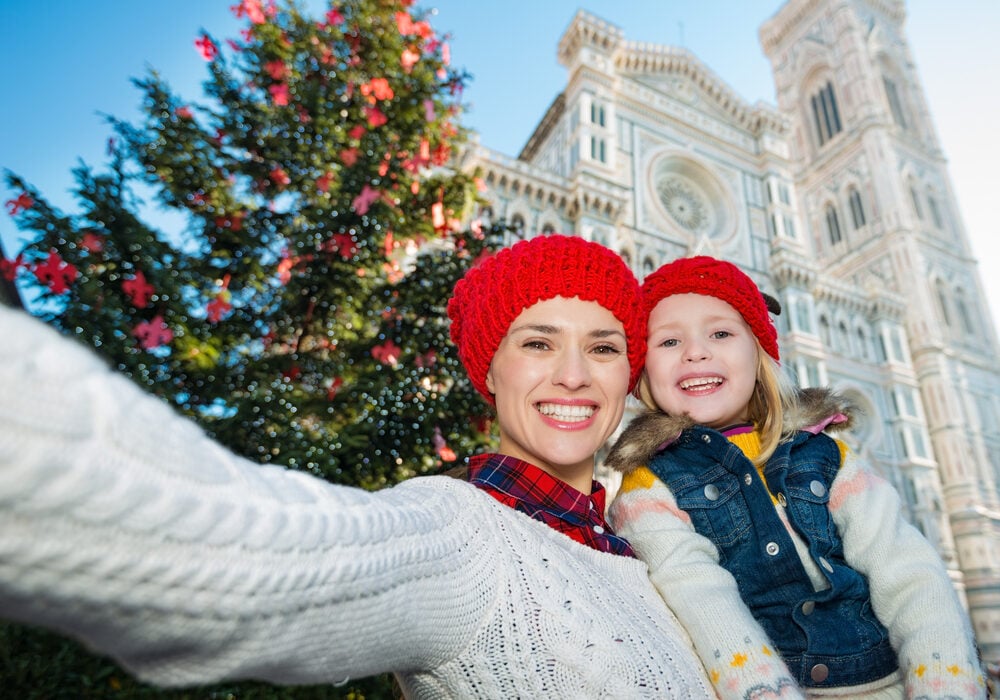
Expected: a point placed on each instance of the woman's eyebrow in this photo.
(547, 329)
(535, 328)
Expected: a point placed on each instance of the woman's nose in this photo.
(572, 370)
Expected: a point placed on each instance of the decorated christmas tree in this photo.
(298, 312)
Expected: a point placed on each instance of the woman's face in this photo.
(560, 377)
(701, 360)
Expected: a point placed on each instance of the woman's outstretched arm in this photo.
(122, 524)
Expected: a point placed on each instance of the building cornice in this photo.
(794, 13)
(584, 194)
(633, 59)
(544, 128)
(590, 31)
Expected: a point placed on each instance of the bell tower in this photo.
(874, 187)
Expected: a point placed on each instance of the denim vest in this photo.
(828, 638)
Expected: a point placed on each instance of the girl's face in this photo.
(702, 360)
(560, 378)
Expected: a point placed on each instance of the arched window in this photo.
(915, 196)
(803, 321)
(864, 349)
(881, 351)
(963, 313)
(895, 104)
(857, 208)
(598, 149)
(942, 295)
(486, 215)
(824, 331)
(833, 225)
(826, 116)
(517, 223)
(843, 338)
(597, 113)
(935, 211)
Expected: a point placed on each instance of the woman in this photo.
(123, 525)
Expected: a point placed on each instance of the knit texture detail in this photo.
(715, 278)
(493, 293)
(123, 525)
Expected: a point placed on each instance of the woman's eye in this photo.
(608, 350)
(535, 345)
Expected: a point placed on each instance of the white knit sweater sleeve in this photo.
(122, 524)
(684, 567)
(911, 591)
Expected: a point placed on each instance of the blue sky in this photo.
(67, 62)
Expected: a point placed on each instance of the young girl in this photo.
(731, 489)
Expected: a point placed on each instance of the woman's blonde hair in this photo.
(772, 396)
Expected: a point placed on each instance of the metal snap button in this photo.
(706, 438)
(808, 607)
(598, 529)
(712, 492)
(817, 488)
(781, 500)
(819, 673)
(747, 479)
(772, 548)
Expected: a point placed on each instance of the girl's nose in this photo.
(695, 352)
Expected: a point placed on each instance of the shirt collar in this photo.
(533, 488)
(536, 493)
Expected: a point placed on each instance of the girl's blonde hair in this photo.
(772, 396)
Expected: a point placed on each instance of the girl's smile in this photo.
(702, 359)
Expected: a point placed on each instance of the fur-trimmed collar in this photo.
(815, 410)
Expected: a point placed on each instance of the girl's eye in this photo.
(719, 335)
(669, 343)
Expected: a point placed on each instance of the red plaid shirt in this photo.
(526, 488)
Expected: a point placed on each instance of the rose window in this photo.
(692, 198)
(684, 204)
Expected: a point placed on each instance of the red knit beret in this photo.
(715, 278)
(493, 293)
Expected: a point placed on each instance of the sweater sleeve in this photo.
(684, 568)
(123, 525)
(911, 591)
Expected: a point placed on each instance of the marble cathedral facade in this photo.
(837, 201)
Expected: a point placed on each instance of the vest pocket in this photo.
(809, 499)
(716, 507)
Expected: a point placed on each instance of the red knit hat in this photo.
(492, 294)
(719, 279)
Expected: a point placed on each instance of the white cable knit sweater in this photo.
(125, 526)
